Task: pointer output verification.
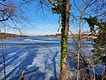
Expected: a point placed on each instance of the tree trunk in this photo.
(64, 38)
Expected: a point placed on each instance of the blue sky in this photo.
(37, 23)
(40, 23)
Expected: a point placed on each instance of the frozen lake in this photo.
(38, 57)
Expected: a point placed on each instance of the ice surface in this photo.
(38, 57)
(39, 60)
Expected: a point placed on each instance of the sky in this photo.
(38, 21)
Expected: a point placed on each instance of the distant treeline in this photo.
(72, 35)
(8, 35)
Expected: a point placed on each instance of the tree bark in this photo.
(64, 38)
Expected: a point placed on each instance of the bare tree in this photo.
(62, 7)
(90, 10)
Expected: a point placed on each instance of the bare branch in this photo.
(90, 3)
(51, 2)
(6, 12)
